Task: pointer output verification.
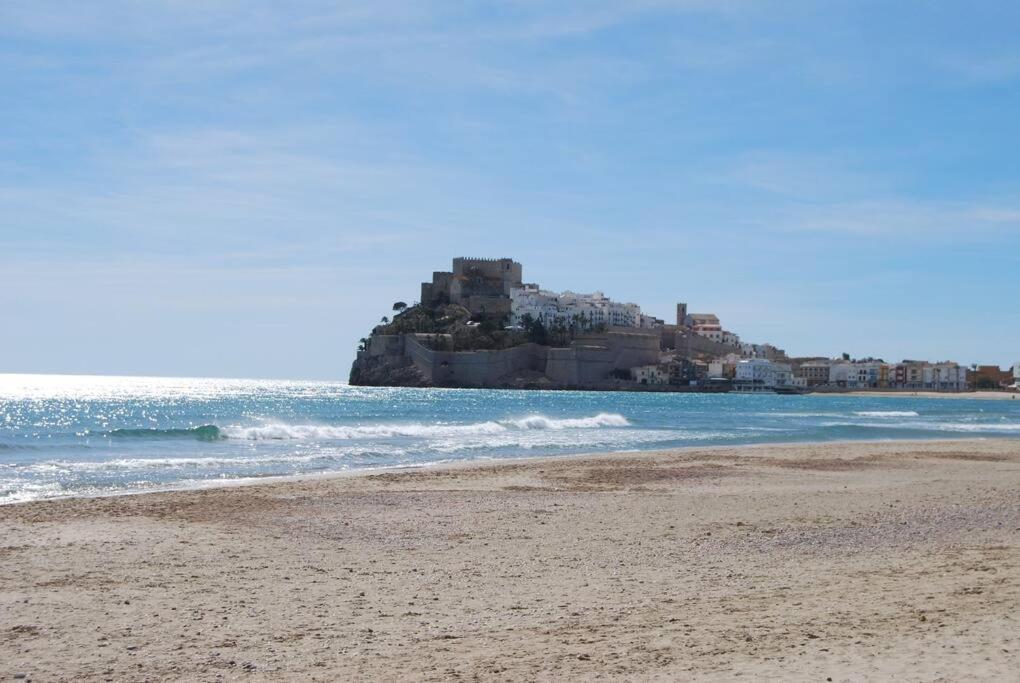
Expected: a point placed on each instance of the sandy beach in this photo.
(842, 562)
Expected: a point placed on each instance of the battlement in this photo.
(482, 285)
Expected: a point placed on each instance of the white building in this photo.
(782, 375)
(705, 325)
(650, 322)
(725, 366)
(759, 374)
(749, 350)
(839, 374)
(650, 374)
(570, 308)
(753, 374)
(946, 377)
(731, 338)
(863, 375)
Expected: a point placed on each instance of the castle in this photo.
(482, 286)
(515, 334)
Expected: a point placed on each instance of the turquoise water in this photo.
(66, 436)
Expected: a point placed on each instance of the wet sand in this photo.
(897, 560)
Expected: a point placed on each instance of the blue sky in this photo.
(230, 188)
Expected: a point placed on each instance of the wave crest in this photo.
(887, 413)
(311, 432)
(543, 422)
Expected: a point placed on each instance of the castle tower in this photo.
(681, 314)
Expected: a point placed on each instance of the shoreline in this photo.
(687, 564)
(908, 393)
(454, 465)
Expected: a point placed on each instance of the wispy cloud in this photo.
(655, 148)
(981, 68)
(905, 220)
(171, 188)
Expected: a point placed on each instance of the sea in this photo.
(64, 436)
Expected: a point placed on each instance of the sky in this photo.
(235, 188)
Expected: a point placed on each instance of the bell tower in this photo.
(681, 313)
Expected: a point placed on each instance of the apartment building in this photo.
(864, 375)
(761, 374)
(571, 309)
(814, 373)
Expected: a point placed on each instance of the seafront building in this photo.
(643, 349)
(814, 372)
(864, 375)
(761, 374)
(875, 374)
(651, 374)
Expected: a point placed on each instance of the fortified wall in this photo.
(480, 285)
(588, 362)
(690, 344)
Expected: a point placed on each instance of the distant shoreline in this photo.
(906, 393)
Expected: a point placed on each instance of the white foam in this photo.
(967, 427)
(312, 432)
(543, 422)
(26, 491)
(886, 413)
(976, 427)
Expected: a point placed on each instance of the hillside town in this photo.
(480, 324)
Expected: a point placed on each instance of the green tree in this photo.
(986, 383)
(399, 306)
(537, 332)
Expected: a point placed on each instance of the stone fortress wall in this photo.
(478, 284)
(588, 362)
(690, 345)
(483, 286)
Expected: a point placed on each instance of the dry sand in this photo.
(888, 561)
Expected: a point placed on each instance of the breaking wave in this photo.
(311, 432)
(542, 422)
(886, 413)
